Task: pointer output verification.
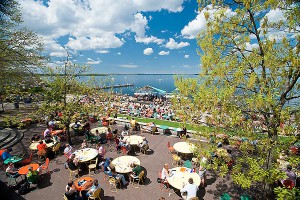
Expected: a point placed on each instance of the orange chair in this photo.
(27, 160)
(46, 166)
(171, 148)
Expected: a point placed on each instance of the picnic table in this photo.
(83, 182)
(122, 163)
(86, 154)
(33, 145)
(13, 159)
(180, 175)
(100, 129)
(24, 170)
(184, 147)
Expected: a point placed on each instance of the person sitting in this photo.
(117, 176)
(290, 174)
(137, 169)
(68, 151)
(32, 176)
(190, 189)
(42, 148)
(92, 189)
(35, 138)
(5, 154)
(106, 166)
(143, 143)
(134, 124)
(84, 144)
(11, 170)
(73, 163)
(165, 172)
(109, 135)
(47, 132)
(71, 193)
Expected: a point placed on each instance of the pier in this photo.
(116, 86)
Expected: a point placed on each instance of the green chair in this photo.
(225, 196)
(246, 197)
(188, 164)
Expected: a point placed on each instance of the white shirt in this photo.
(68, 151)
(191, 190)
(164, 174)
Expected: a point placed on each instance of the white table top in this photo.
(184, 147)
(180, 176)
(133, 139)
(100, 129)
(33, 145)
(72, 124)
(122, 163)
(86, 154)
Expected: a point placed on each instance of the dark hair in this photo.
(191, 181)
(70, 183)
(289, 167)
(41, 142)
(96, 182)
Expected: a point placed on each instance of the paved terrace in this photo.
(53, 184)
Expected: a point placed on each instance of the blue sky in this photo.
(120, 36)
(125, 36)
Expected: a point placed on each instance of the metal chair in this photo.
(73, 172)
(136, 180)
(112, 184)
(92, 165)
(96, 194)
(56, 149)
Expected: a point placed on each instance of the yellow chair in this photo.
(144, 149)
(56, 149)
(96, 194)
(112, 184)
(136, 180)
(65, 197)
(176, 160)
(92, 165)
(75, 172)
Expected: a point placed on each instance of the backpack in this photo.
(24, 189)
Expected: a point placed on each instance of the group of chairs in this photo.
(136, 181)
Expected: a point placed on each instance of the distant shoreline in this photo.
(111, 74)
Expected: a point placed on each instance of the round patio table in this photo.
(83, 183)
(24, 170)
(72, 124)
(56, 132)
(33, 145)
(133, 139)
(184, 147)
(86, 154)
(100, 129)
(122, 163)
(13, 159)
(180, 175)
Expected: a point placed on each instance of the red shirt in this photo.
(42, 146)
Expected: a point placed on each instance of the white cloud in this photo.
(139, 27)
(197, 25)
(174, 45)
(275, 15)
(84, 43)
(129, 66)
(93, 62)
(92, 24)
(186, 56)
(148, 51)
(148, 40)
(163, 53)
(119, 53)
(103, 51)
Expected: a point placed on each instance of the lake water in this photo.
(163, 82)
